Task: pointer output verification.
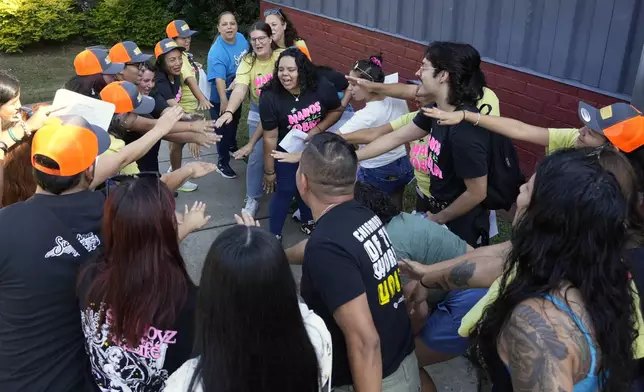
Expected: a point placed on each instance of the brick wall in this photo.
(526, 97)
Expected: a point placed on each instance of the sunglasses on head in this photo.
(273, 11)
(124, 178)
(357, 68)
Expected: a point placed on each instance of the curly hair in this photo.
(376, 200)
(463, 64)
(307, 75)
(573, 231)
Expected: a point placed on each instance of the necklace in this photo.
(297, 97)
(326, 210)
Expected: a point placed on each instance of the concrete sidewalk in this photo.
(225, 197)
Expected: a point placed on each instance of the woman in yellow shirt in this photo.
(254, 71)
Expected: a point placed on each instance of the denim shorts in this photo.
(389, 178)
(440, 332)
(405, 379)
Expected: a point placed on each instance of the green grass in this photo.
(44, 69)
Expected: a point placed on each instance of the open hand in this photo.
(204, 105)
(200, 169)
(269, 182)
(168, 119)
(243, 152)
(195, 218)
(444, 118)
(246, 220)
(195, 150)
(224, 119)
(411, 269)
(286, 156)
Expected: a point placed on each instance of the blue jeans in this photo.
(255, 168)
(389, 178)
(228, 133)
(285, 190)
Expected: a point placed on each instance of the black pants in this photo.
(228, 133)
(471, 227)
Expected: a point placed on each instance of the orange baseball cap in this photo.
(621, 123)
(71, 142)
(179, 28)
(165, 46)
(95, 61)
(128, 52)
(127, 98)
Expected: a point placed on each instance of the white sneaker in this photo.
(187, 186)
(251, 207)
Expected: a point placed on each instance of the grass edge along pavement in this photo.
(44, 69)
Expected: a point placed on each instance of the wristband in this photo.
(12, 136)
(269, 174)
(423, 284)
(3, 147)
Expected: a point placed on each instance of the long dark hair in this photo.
(463, 63)
(9, 87)
(89, 86)
(141, 277)
(290, 33)
(307, 73)
(573, 231)
(19, 182)
(250, 334)
(260, 25)
(376, 200)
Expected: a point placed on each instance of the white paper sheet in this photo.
(95, 111)
(293, 141)
(392, 78)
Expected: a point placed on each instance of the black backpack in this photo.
(504, 174)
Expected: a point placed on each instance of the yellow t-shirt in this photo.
(115, 146)
(256, 74)
(559, 138)
(476, 313)
(418, 152)
(188, 100)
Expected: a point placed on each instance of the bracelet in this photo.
(3, 147)
(269, 174)
(12, 136)
(423, 284)
(463, 116)
(229, 111)
(478, 118)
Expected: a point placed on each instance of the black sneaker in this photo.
(308, 228)
(226, 171)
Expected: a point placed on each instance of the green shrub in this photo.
(23, 22)
(141, 21)
(246, 11)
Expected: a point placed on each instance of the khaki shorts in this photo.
(404, 379)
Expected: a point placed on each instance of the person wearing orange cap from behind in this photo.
(94, 70)
(128, 52)
(44, 241)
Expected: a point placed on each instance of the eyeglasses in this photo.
(274, 11)
(139, 66)
(260, 40)
(119, 179)
(357, 68)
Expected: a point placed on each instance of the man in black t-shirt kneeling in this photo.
(350, 276)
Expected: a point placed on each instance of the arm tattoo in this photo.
(534, 351)
(460, 274)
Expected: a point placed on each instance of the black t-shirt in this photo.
(149, 162)
(167, 87)
(456, 153)
(281, 110)
(142, 368)
(350, 254)
(44, 241)
(338, 79)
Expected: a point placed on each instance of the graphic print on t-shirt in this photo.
(305, 119)
(419, 154)
(119, 367)
(375, 240)
(62, 247)
(260, 81)
(434, 152)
